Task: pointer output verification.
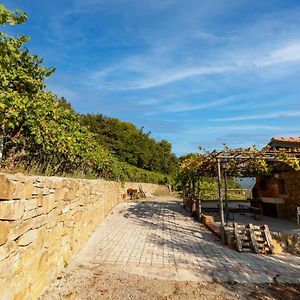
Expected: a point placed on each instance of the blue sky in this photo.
(194, 72)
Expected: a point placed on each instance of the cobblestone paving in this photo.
(160, 239)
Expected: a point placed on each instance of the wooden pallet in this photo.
(142, 192)
(253, 238)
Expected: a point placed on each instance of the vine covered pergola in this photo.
(239, 162)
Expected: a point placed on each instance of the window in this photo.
(281, 187)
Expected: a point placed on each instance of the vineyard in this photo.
(41, 133)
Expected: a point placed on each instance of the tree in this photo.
(39, 128)
(131, 144)
(11, 17)
(44, 133)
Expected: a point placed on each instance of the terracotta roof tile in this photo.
(285, 142)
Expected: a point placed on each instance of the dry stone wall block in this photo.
(7, 249)
(11, 209)
(18, 228)
(39, 221)
(49, 203)
(7, 188)
(28, 237)
(32, 213)
(25, 189)
(4, 231)
(30, 204)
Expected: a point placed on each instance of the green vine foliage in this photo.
(248, 162)
(42, 132)
(11, 17)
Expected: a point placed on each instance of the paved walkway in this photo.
(159, 239)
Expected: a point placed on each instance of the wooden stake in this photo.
(253, 239)
(268, 238)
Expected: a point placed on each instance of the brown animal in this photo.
(132, 193)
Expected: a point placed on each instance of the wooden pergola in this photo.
(238, 163)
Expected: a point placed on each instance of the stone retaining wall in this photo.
(287, 242)
(43, 223)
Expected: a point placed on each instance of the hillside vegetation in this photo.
(131, 144)
(42, 133)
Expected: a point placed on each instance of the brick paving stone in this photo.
(161, 238)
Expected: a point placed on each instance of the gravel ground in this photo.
(89, 282)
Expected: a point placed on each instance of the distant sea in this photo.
(246, 183)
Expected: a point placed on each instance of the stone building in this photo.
(278, 195)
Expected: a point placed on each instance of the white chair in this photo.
(298, 215)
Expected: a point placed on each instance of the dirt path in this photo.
(106, 282)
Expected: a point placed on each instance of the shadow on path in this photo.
(173, 230)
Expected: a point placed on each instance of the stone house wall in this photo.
(291, 197)
(292, 183)
(43, 223)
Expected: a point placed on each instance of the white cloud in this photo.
(288, 53)
(181, 107)
(182, 74)
(243, 127)
(285, 54)
(167, 56)
(195, 129)
(274, 115)
(153, 71)
(263, 102)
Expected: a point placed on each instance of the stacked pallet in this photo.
(142, 192)
(253, 238)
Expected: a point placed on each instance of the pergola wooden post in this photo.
(220, 193)
(226, 196)
(199, 197)
(194, 206)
